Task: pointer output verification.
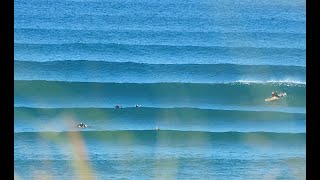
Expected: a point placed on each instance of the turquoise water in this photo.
(199, 69)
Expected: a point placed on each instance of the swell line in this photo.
(101, 71)
(160, 53)
(166, 37)
(172, 31)
(213, 120)
(153, 94)
(148, 113)
(156, 47)
(169, 137)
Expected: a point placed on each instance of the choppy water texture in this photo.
(199, 69)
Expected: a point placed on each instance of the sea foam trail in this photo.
(101, 71)
(75, 94)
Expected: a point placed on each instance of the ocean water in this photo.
(199, 69)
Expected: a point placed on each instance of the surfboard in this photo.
(272, 99)
(281, 95)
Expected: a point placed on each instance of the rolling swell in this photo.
(183, 119)
(160, 53)
(173, 47)
(143, 49)
(101, 71)
(77, 93)
(185, 114)
(172, 138)
(98, 22)
(140, 37)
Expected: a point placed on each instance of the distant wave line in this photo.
(236, 83)
(194, 47)
(154, 64)
(174, 137)
(162, 30)
(155, 110)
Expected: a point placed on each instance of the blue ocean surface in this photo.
(199, 71)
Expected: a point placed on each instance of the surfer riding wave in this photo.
(276, 96)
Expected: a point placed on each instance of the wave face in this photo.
(152, 37)
(201, 71)
(160, 53)
(154, 94)
(100, 71)
(144, 118)
(174, 138)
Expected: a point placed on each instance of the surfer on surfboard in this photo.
(81, 125)
(276, 96)
(118, 106)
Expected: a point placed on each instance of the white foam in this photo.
(289, 81)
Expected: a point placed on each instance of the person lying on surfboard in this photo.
(274, 94)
